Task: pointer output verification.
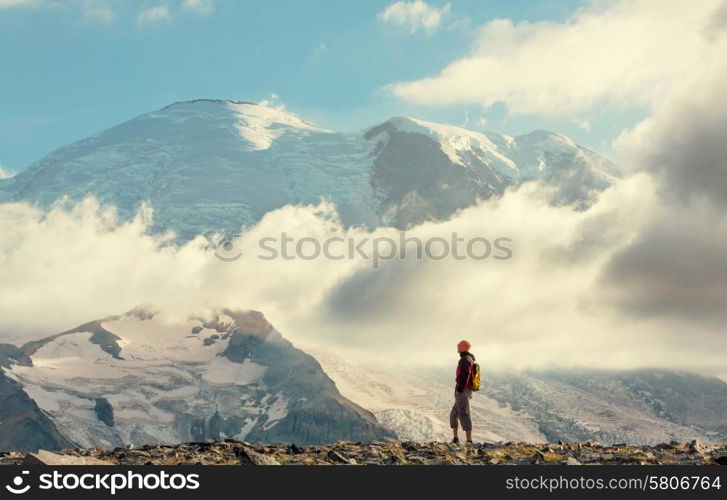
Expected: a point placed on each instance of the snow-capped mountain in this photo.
(640, 406)
(145, 378)
(213, 165)
(151, 378)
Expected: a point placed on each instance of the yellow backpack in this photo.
(475, 377)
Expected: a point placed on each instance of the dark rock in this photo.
(107, 341)
(294, 450)
(336, 457)
(11, 355)
(104, 411)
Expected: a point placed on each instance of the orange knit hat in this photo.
(463, 346)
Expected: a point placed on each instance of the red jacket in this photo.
(463, 378)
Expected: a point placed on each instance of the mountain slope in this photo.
(23, 426)
(209, 165)
(142, 378)
(642, 406)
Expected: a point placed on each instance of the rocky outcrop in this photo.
(316, 411)
(231, 452)
(23, 426)
(104, 411)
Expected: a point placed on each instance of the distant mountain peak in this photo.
(217, 165)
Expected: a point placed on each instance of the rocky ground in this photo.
(230, 452)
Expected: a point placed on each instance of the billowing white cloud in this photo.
(543, 307)
(415, 15)
(626, 53)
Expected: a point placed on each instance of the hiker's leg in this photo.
(463, 408)
(453, 419)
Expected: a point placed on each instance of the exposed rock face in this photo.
(23, 426)
(104, 411)
(316, 411)
(152, 379)
(231, 452)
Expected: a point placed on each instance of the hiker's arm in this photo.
(464, 370)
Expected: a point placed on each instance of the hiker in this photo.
(463, 392)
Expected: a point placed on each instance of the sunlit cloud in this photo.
(415, 15)
(621, 54)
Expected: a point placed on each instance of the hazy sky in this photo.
(73, 67)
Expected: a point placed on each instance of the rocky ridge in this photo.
(233, 452)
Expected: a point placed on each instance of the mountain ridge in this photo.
(153, 378)
(219, 165)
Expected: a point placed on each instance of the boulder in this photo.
(43, 457)
(246, 456)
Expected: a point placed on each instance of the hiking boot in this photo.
(455, 440)
(470, 442)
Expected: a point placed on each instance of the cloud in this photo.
(105, 10)
(6, 4)
(273, 101)
(676, 266)
(198, 6)
(91, 10)
(5, 174)
(167, 11)
(614, 53)
(154, 14)
(683, 143)
(414, 15)
(98, 10)
(544, 307)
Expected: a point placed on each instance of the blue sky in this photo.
(72, 68)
